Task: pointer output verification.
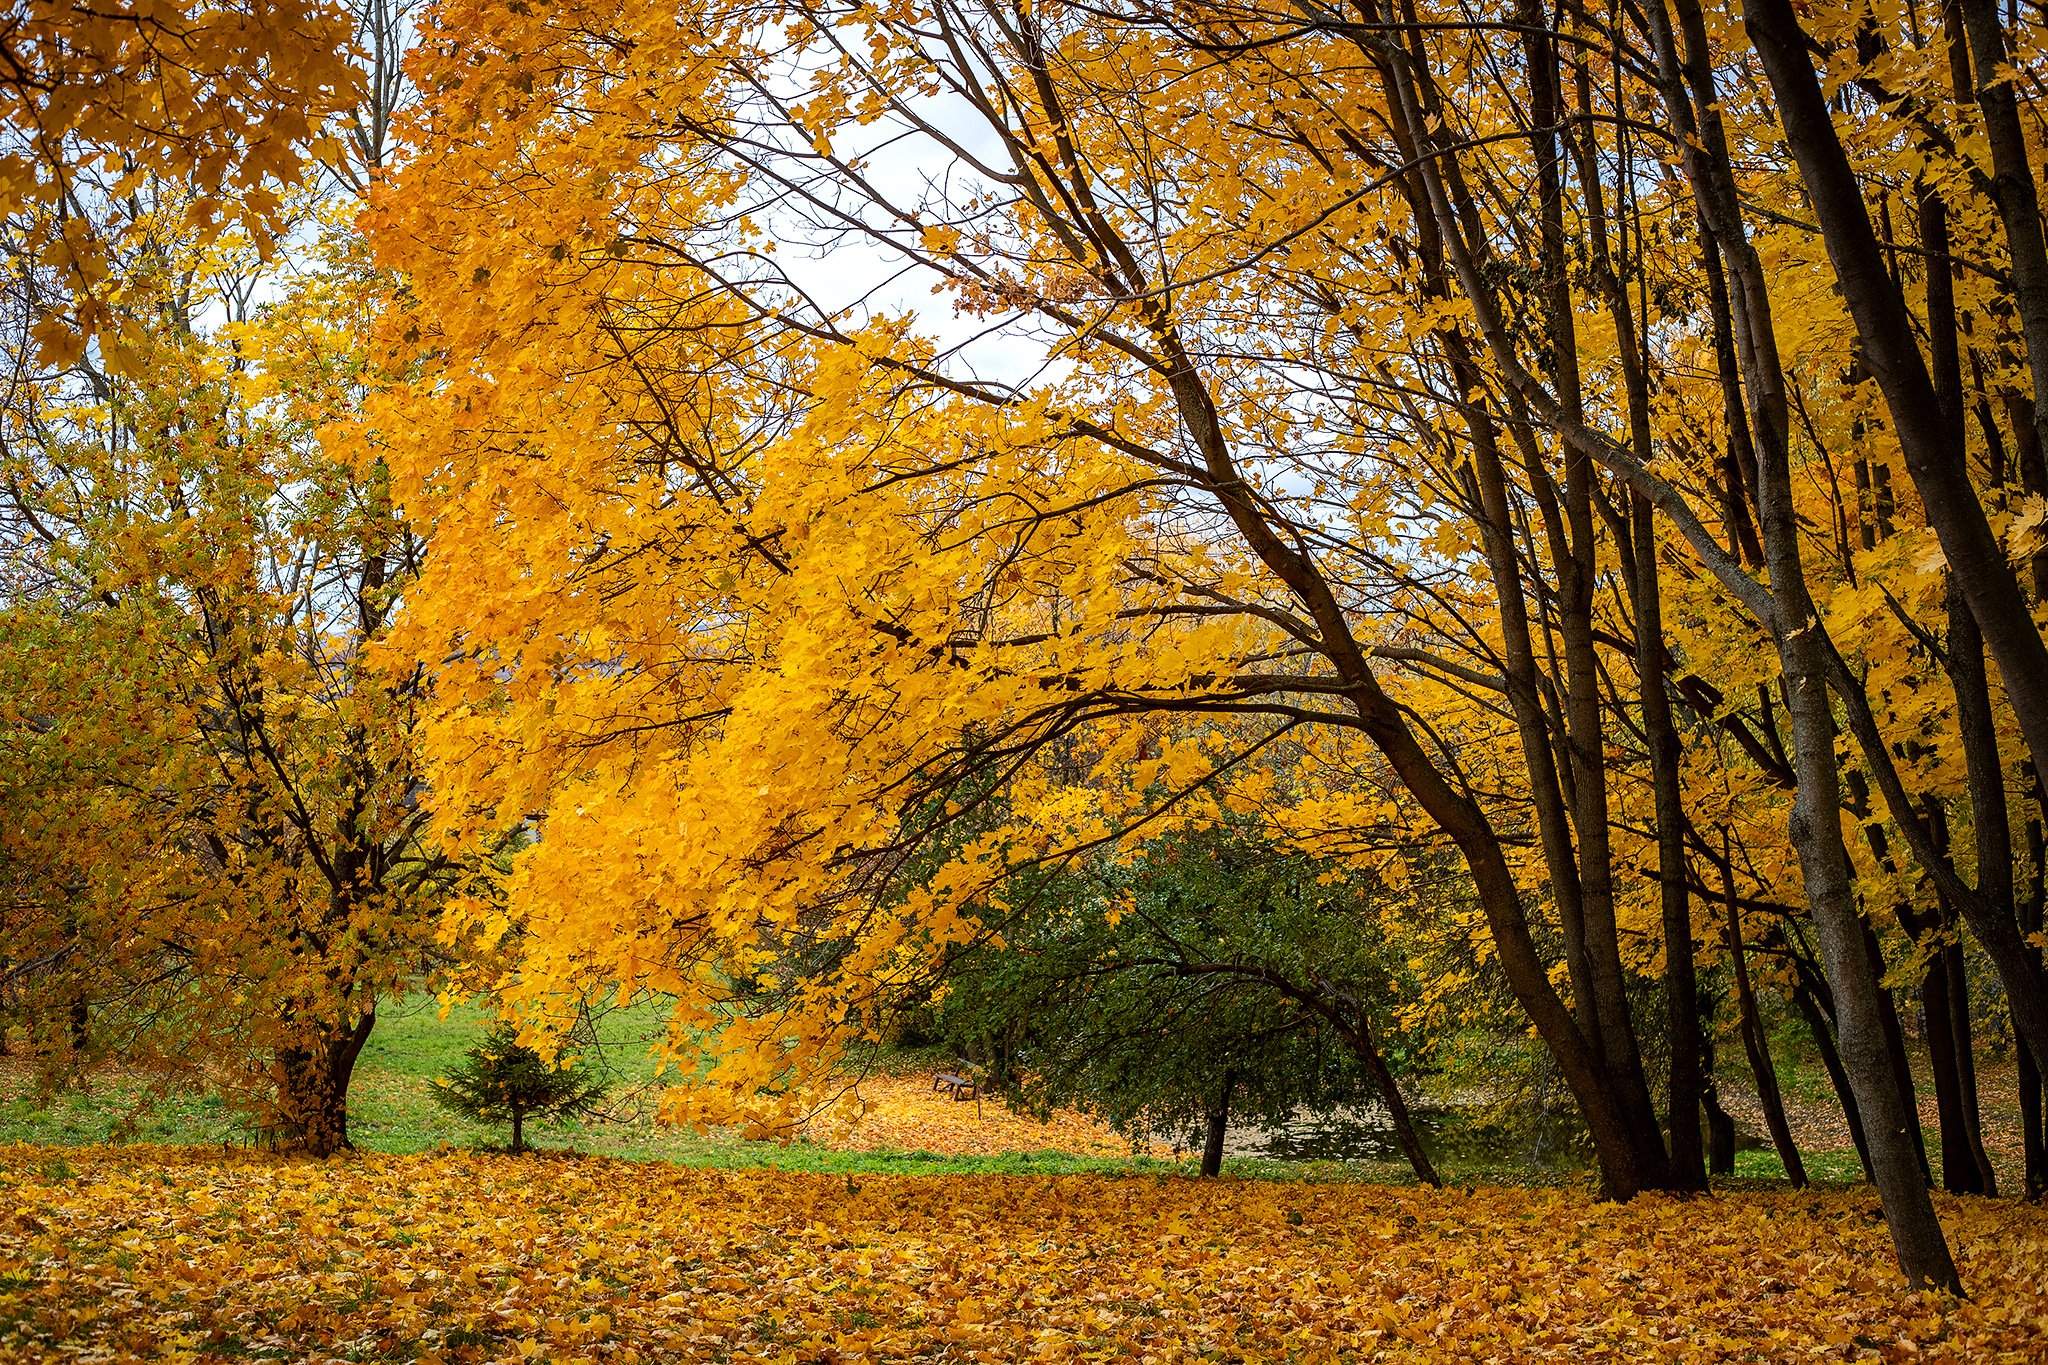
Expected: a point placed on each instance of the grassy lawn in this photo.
(392, 1110)
(391, 1107)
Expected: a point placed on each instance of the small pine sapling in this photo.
(504, 1081)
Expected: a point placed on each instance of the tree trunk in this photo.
(313, 1083)
(519, 1135)
(1720, 1134)
(1816, 834)
(1359, 1039)
(1681, 982)
(1964, 1170)
(1754, 1041)
(1344, 1012)
(1642, 577)
(1894, 1031)
(1572, 539)
(1823, 1031)
(1960, 1147)
(2033, 1136)
(1219, 1120)
(2031, 461)
(1970, 1169)
(1519, 676)
(1720, 1126)
(1964, 1033)
(2035, 1150)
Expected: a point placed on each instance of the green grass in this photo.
(392, 1109)
(107, 1109)
(1822, 1168)
(392, 1106)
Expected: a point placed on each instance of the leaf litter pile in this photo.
(112, 1254)
(907, 1113)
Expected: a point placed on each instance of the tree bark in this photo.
(2033, 1130)
(1961, 1146)
(313, 1081)
(1681, 980)
(1720, 1126)
(1894, 1031)
(1964, 1032)
(1218, 1122)
(1823, 1032)
(2033, 1141)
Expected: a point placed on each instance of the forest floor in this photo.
(1814, 1115)
(179, 1255)
(927, 1230)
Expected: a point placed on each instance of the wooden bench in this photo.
(961, 1088)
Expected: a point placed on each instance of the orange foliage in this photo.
(174, 1255)
(98, 101)
(905, 1113)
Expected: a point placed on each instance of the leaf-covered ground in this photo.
(112, 1254)
(907, 1113)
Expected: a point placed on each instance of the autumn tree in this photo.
(1147, 512)
(1811, 662)
(1457, 398)
(209, 775)
(229, 100)
(217, 789)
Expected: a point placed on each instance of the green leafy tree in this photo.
(1213, 977)
(504, 1081)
